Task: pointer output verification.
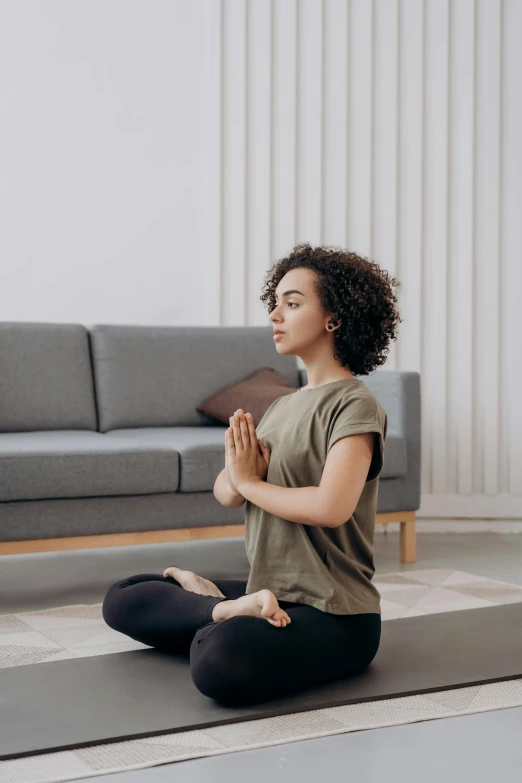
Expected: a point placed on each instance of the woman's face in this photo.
(299, 315)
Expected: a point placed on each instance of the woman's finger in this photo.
(250, 432)
(236, 434)
(243, 430)
(251, 429)
(229, 442)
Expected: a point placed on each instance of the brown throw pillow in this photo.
(254, 395)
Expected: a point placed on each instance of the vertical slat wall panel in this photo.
(335, 123)
(460, 248)
(392, 128)
(234, 183)
(385, 111)
(410, 201)
(360, 159)
(210, 174)
(258, 144)
(284, 132)
(486, 321)
(309, 119)
(511, 251)
(436, 430)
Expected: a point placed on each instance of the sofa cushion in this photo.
(202, 452)
(75, 463)
(260, 390)
(45, 378)
(69, 464)
(156, 376)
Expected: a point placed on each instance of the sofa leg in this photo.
(408, 541)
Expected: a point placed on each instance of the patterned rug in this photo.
(78, 631)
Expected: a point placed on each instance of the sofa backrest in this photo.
(46, 378)
(154, 376)
(57, 376)
(398, 391)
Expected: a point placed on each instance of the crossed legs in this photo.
(243, 659)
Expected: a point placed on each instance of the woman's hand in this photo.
(265, 453)
(246, 457)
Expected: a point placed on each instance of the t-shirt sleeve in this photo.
(356, 417)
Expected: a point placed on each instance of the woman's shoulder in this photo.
(359, 396)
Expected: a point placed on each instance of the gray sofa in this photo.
(100, 437)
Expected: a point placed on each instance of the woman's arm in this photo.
(224, 493)
(331, 503)
(304, 505)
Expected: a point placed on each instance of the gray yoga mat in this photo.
(60, 705)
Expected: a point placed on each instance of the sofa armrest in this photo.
(399, 393)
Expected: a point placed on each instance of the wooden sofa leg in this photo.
(408, 541)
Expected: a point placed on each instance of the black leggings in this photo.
(245, 659)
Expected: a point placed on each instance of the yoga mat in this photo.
(75, 703)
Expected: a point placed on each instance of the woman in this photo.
(308, 613)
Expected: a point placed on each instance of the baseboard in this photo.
(434, 525)
(480, 507)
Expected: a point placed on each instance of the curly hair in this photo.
(355, 291)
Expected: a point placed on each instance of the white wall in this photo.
(152, 147)
(100, 161)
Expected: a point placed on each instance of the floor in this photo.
(482, 747)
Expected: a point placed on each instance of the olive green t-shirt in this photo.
(329, 568)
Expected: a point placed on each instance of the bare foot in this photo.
(193, 583)
(261, 604)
